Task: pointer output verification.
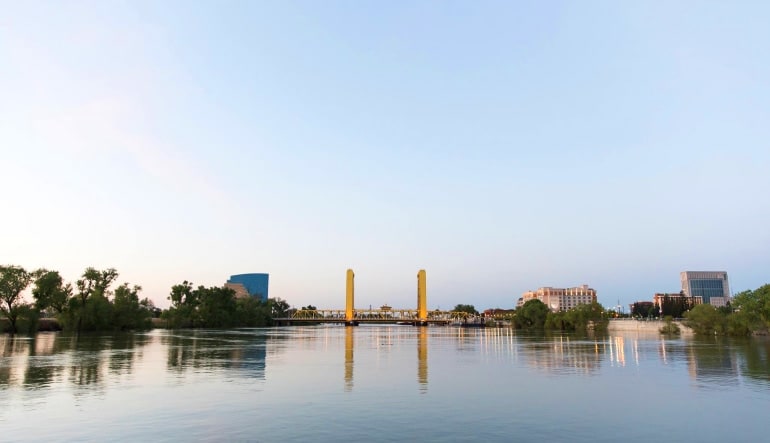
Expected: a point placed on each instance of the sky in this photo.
(500, 146)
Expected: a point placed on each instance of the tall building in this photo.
(254, 285)
(711, 286)
(561, 299)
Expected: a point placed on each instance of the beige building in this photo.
(240, 290)
(560, 299)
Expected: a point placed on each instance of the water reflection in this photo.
(754, 360)
(710, 362)
(384, 341)
(50, 358)
(349, 345)
(195, 351)
(565, 354)
(422, 359)
(95, 363)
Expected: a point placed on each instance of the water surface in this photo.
(382, 383)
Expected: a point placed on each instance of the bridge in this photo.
(351, 316)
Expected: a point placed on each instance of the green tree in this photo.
(643, 309)
(50, 291)
(217, 307)
(128, 312)
(705, 319)
(183, 312)
(93, 285)
(669, 327)
(278, 307)
(251, 312)
(589, 315)
(13, 280)
(753, 307)
(470, 309)
(308, 308)
(532, 315)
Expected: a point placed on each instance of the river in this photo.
(382, 383)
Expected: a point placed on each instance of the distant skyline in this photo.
(500, 146)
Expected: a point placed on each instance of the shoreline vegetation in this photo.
(92, 305)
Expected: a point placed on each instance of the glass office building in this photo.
(256, 284)
(711, 286)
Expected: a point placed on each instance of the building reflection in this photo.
(709, 361)
(564, 354)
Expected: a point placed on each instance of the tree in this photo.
(676, 306)
(754, 307)
(643, 309)
(217, 307)
(706, 320)
(308, 308)
(13, 280)
(532, 315)
(470, 309)
(50, 291)
(92, 285)
(184, 306)
(128, 311)
(278, 307)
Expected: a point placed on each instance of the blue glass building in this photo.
(711, 286)
(255, 284)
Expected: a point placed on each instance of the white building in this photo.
(560, 299)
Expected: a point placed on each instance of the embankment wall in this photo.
(643, 326)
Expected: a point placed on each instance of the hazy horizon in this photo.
(500, 146)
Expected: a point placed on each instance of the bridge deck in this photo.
(407, 316)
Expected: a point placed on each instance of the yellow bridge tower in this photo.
(422, 301)
(349, 292)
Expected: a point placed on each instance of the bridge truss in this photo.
(378, 316)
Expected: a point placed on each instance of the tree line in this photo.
(748, 313)
(534, 314)
(89, 305)
(94, 304)
(674, 307)
(217, 307)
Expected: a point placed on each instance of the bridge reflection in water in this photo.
(422, 358)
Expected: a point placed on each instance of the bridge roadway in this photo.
(406, 316)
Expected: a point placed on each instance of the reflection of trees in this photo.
(50, 358)
(124, 350)
(225, 350)
(86, 359)
(754, 360)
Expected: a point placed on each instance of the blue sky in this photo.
(501, 146)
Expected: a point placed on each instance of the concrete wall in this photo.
(629, 325)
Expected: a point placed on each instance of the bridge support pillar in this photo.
(422, 301)
(349, 293)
